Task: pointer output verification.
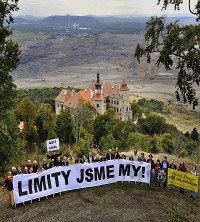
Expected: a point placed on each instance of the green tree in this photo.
(107, 143)
(28, 112)
(187, 134)
(100, 125)
(10, 142)
(137, 140)
(152, 125)
(153, 145)
(136, 110)
(171, 41)
(64, 126)
(194, 135)
(166, 143)
(47, 116)
(9, 55)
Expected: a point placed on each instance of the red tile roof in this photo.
(73, 99)
(124, 86)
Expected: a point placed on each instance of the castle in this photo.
(101, 95)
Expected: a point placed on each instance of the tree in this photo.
(28, 112)
(175, 44)
(47, 116)
(9, 55)
(187, 134)
(153, 124)
(82, 117)
(194, 135)
(166, 143)
(137, 140)
(136, 110)
(10, 142)
(64, 126)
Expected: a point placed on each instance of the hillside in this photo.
(114, 202)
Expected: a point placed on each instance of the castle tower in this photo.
(98, 83)
(126, 113)
(99, 102)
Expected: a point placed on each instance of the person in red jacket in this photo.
(182, 168)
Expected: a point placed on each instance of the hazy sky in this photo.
(92, 7)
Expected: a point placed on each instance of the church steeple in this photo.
(98, 83)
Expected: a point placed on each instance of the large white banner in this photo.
(53, 145)
(58, 179)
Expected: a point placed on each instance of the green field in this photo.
(18, 36)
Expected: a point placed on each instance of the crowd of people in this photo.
(56, 160)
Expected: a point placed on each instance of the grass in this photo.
(184, 120)
(18, 36)
(128, 198)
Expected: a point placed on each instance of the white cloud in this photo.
(92, 7)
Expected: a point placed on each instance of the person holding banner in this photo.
(110, 155)
(54, 156)
(52, 164)
(35, 166)
(59, 162)
(97, 158)
(182, 168)
(193, 172)
(9, 185)
(71, 160)
(90, 158)
(44, 165)
(165, 165)
(78, 160)
(102, 159)
(116, 154)
(65, 163)
(151, 161)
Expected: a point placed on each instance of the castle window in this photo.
(117, 102)
(114, 102)
(117, 110)
(58, 105)
(97, 105)
(126, 108)
(61, 106)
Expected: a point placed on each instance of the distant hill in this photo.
(73, 19)
(20, 20)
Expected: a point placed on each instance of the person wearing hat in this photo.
(151, 161)
(9, 185)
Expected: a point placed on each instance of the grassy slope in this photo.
(18, 36)
(114, 202)
(182, 119)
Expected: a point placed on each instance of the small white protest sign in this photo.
(53, 145)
